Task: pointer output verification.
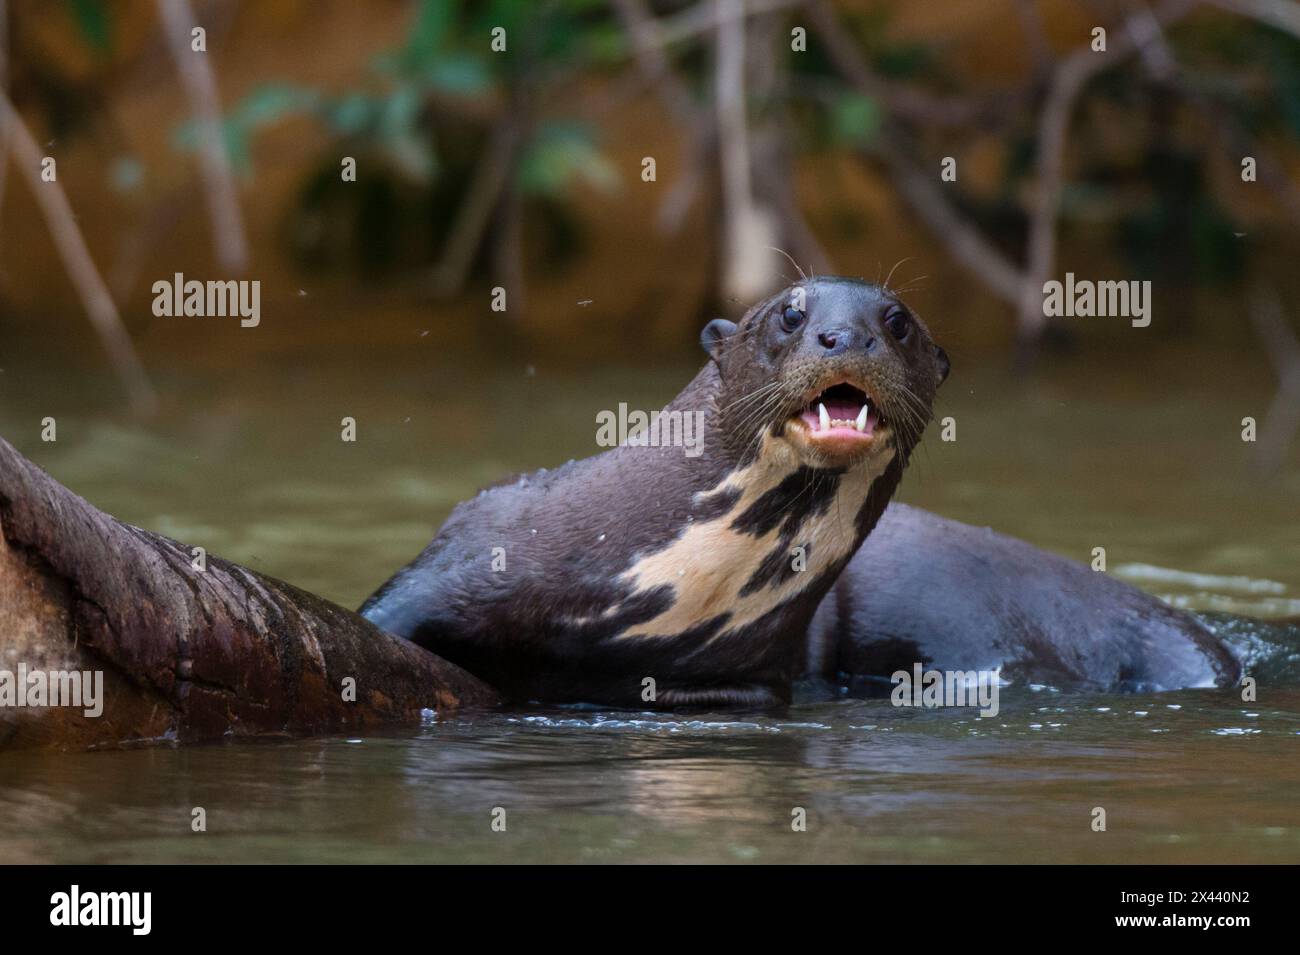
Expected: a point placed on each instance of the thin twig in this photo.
(648, 44)
(702, 18)
(1021, 286)
(4, 86)
(905, 102)
(1282, 14)
(475, 211)
(1222, 124)
(742, 276)
(1282, 420)
(964, 241)
(648, 50)
(1035, 33)
(1149, 34)
(201, 88)
(85, 277)
(1069, 78)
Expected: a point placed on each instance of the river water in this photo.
(1146, 461)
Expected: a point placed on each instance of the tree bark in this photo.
(186, 655)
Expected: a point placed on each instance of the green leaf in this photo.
(262, 107)
(351, 113)
(431, 26)
(91, 17)
(271, 103)
(560, 155)
(458, 73)
(605, 43)
(855, 118)
(413, 155)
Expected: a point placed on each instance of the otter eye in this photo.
(897, 322)
(791, 318)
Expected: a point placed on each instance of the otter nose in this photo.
(836, 340)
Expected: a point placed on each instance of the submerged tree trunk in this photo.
(185, 654)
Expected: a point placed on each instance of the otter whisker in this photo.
(911, 286)
(757, 392)
(885, 284)
(800, 270)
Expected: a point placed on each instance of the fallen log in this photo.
(185, 649)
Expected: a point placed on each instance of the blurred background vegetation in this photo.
(783, 132)
(811, 127)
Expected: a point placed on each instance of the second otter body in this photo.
(963, 598)
(646, 576)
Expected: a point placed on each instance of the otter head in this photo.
(831, 371)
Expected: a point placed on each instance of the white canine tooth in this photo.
(824, 422)
(861, 421)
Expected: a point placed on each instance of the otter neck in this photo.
(727, 448)
(763, 530)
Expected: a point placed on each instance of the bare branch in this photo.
(903, 101)
(475, 211)
(185, 654)
(963, 240)
(1149, 34)
(201, 88)
(1068, 80)
(95, 296)
(1223, 126)
(4, 85)
(648, 48)
(748, 230)
(701, 18)
(1035, 33)
(1282, 14)
(1280, 342)
(1282, 420)
(648, 45)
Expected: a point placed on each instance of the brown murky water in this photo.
(1146, 461)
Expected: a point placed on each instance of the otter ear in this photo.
(945, 366)
(714, 334)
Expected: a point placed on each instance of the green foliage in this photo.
(447, 53)
(890, 57)
(436, 58)
(1180, 229)
(92, 20)
(1282, 60)
(265, 106)
(561, 154)
(445, 56)
(1233, 60)
(854, 118)
(430, 152)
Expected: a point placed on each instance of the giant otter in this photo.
(925, 589)
(645, 576)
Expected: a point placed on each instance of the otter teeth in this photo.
(826, 423)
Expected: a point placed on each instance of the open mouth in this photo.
(841, 407)
(842, 418)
